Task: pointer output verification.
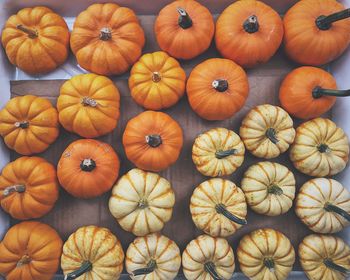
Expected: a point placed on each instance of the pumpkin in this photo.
(152, 140)
(92, 253)
(320, 148)
(153, 257)
(323, 205)
(36, 40)
(28, 188)
(324, 257)
(218, 207)
(208, 258)
(265, 254)
(30, 251)
(88, 168)
(184, 29)
(308, 92)
(157, 81)
(269, 188)
(217, 89)
(88, 105)
(29, 124)
(107, 39)
(142, 202)
(248, 32)
(218, 152)
(267, 131)
(316, 31)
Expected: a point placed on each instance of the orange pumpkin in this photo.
(316, 31)
(152, 140)
(28, 188)
(184, 29)
(308, 92)
(107, 39)
(248, 32)
(29, 124)
(217, 89)
(36, 40)
(88, 168)
(30, 251)
(157, 81)
(89, 105)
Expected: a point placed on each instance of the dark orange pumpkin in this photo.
(316, 31)
(217, 89)
(152, 140)
(88, 168)
(308, 92)
(184, 29)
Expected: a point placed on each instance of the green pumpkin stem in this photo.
(31, 32)
(85, 267)
(23, 124)
(271, 134)
(318, 92)
(184, 20)
(323, 148)
(15, 188)
(220, 85)
(151, 266)
(330, 264)
(325, 22)
(269, 263)
(332, 208)
(210, 268)
(274, 189)
(251, 24)
(221, 209)
(154, 140)
(223, 154)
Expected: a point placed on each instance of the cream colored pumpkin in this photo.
(142, 202)
(267, 131)
(208, 258)
(324, 257)
(153, 257)
(218, 207)
(94, 253)
(320, 148)
(218, 152)
(323, 205)
(269, 188)
(266, 254)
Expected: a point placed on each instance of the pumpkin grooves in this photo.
(332, 208)
(319, 92)
(88, 165)
(274, 189)
(85, 267)
(210, 268)
(24, 124)
(15, 188)
(31, 33)
(184, 19)
(330, 264)
(156, 77)
(269, 263)
(325, 22)
(271, 134)
(151, 266)
(220, 85)
(251, 24)
(154, 140)
(222, 154)
(105, 34)
(221, 209)
(23, 261)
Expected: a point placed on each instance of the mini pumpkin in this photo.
(208, 258)
(153, 256)
(88, 168)
(88, 105)
(320, 148)
(184, 29)
(36, 40)
(152, 140)
(29, 124)
(266, 254)
(308, 92)
(28, 188)
(217, 89)
(142, 202)
(324, 257)
(92, 253)
(248, 32)
(157, 81)
(30, 251)
(107, 39)
(269, 188)
(316, 31)
(267, 131)
(323, 205)
(218, 207)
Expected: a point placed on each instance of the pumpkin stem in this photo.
(271, 134)
(105, 34)
(221, 209)
(319, 92)
(156, 77)
(151, 266)
(269, 263)
(184, 19)
(251, 24)
(323, 148)
(274, 189)
(88, 101)
(330, 264)
(325, 22)
(143, 203)
(24, 124)
(210, 268)
(88, 165)
(154, 140)
(222, 154)
(31, 33)
(85, 267)
(15, 188)
(332, 208)
(24, 260)
(220, 85)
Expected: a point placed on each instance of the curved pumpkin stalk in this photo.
(85, 267)
(332, 208)
(210, 268)
(325, 22)
(31, 32)
(319, 92)
(221, 209)
(330, 264)
(185, 20)
(271, 134)
(223, 154)
(251, 24)
(15, 188)
(151, 266)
